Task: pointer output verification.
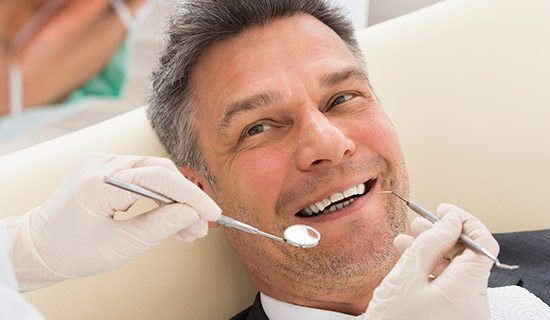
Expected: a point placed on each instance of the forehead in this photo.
(264, 58)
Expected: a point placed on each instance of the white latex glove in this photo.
(12, 304)
(73, 234)
(459, 290)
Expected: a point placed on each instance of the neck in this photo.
(352, 300)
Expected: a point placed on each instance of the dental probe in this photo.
(464, 238)
(298, 235)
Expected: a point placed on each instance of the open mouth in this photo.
(337, 201)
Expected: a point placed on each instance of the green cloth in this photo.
(108, 83)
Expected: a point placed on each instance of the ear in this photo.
(198, 180)
(193, 176)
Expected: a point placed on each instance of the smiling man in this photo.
(277, 122)
(266, 105)
(299, 138)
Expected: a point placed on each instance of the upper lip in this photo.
(332, 191)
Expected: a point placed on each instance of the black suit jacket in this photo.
(530, 250)
(254, 312)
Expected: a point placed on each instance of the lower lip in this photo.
(355, 206)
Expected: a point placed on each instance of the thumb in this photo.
(431, 245)
(161, 223)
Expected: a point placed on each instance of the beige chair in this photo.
(466, 84)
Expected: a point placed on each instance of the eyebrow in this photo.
(270, 97)
(250, 103)
(335, 78)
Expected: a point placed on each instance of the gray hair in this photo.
(197, 25)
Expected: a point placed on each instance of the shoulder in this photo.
(538, 235)
(242, 315)
(528, 249)
(531, 245)
(531, 251)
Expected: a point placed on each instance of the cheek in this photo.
(378, 134)
(260, 173)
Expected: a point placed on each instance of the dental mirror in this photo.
(302, 236)
(298, 235)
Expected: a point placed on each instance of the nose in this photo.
(321, 143)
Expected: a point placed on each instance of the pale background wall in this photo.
(467, 89)
(358, 11)
(382, 10)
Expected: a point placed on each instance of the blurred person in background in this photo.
(59, 51)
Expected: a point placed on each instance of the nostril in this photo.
(348, 153)
(316, 162)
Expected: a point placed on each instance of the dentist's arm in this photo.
(459, 289)
(12, 304)
(73, 234)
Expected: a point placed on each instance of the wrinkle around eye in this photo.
(277, 130)
(247, 132)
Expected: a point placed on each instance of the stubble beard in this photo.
(312, 273)
(360, 265)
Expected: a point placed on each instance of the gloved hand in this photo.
(459, 289)
(73, 234)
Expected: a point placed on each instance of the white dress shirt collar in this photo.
(279, 310)
(506, 303)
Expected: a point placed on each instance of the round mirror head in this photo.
(302, 236)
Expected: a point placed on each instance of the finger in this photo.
(213, 224)
(472, 227)
(470, 265)
(430, 246)
(122, 162)
(185, 237)
(120, 201)
(198, 229)
(441, 265)
(154, 161)
(455, 251)
(444, 262)
(420, 259)
(109, 163)
(402, 242)
(419, 225)
(99, 198)
(173, 185)
(161, 223)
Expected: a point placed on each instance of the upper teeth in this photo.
(321, 205)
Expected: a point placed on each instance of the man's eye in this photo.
(256, 129)
(341, 99)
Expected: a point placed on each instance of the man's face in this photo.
(286, 119)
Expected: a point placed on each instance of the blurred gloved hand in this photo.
(73, 234)
(428, 282)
